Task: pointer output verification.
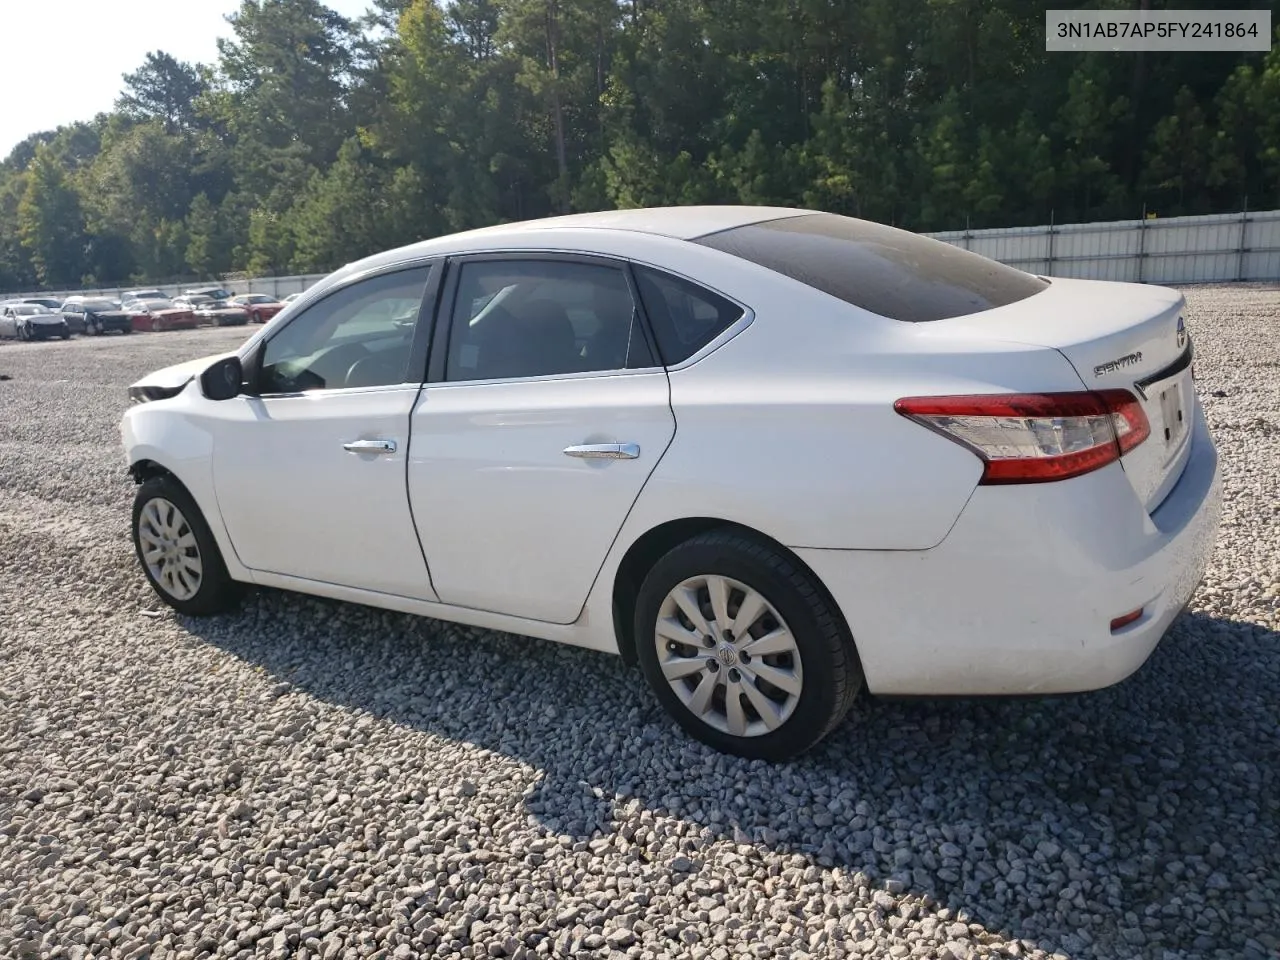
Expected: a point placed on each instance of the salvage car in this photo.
(149, 294)
(213, 293)
(31, 321)
(260, 306)
(155, 314)
(219, 313)
(53, 303)
(96, 315)
(774, 456)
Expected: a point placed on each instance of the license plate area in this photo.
(1172, 415)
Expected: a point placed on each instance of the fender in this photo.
(177, 443)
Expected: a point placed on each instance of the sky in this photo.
(86, 45)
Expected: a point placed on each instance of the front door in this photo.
(530, 451)
(309, 469)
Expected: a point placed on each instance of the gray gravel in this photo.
(312, 779)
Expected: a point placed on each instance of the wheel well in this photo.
(144, 470)
(649, 548)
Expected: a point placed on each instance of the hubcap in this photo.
(169, 549)
(728, 655)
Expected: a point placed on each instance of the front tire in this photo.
(177, 550)
(743, 647)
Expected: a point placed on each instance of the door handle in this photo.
(604, 451)
(370, 446)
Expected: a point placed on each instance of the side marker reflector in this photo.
(1121, 622)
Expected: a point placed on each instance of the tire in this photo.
(156, 325)
(65, 334)
(210, 590)
(22, 334)
(821, 686)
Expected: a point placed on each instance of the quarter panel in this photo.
(799, 438)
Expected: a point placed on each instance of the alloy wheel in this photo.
(169, 549)
(728, 655)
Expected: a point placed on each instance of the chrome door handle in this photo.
(604, 451)
(370, 446)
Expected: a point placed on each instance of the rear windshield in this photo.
(890, 272)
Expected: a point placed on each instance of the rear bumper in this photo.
(1019, 597)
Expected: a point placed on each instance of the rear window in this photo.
(890, 272)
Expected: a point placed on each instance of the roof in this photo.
(679, 223)
(682, 223)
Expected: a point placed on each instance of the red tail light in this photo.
(1036, 437)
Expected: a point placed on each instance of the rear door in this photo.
(545, 413)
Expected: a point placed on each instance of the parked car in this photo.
(158, 314)
(213, 293)
(53, 303)
(31, 321)
(899, 465)
(219, 313)
(260, 306)
(152, 294)
(96, 315)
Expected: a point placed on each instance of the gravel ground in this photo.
(313, 779)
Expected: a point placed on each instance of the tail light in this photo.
(1036, 437)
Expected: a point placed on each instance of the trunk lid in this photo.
(1115, 335)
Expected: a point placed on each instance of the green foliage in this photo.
(50, 221)
(313, 141)
(165, 90)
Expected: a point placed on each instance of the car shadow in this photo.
(1090, 808)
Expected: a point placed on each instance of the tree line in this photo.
(313, 139)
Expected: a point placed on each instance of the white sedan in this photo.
(772, 455)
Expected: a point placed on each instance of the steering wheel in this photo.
(366, 372)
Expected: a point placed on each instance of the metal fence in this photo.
(1217, 248)
(276, 286)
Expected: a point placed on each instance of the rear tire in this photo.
(177, 551)
(800, 673)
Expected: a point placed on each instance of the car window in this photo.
(359, 336)
(890, 272)
(539, 318)
(684, 316)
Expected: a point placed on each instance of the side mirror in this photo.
(223, 380)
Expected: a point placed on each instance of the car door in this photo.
(309, 464)
(544, 415)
